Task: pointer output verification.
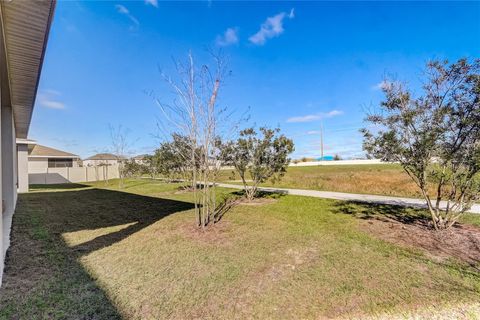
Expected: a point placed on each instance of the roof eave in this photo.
(16, 21)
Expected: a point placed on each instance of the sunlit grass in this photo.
(78, 237)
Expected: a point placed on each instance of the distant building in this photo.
(37, 161)
(325, 158)
(140, 159)
(102, 159)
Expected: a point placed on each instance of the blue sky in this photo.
(294, 64)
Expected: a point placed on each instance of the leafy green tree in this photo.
(133, 169)
(435, 136)
(262, 156)
(169, 161)
(150, 166)
(172, 158)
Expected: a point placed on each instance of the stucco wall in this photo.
(22, 168)
(2, 233)
(8, 178)
(37, 165)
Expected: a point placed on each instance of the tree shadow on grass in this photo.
(231, 199)
(43, 274)
(413, 228)
(383, 212)
(261, 194)
(99, 208)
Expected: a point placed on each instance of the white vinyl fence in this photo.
(336, 162)
(73, 175)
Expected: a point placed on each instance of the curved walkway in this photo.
(397, 201)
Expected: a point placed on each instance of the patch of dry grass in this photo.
(381, 179)
(135, 254)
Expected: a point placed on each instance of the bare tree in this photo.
(120, 145)
(194, 114)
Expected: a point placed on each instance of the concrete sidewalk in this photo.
(397, 201)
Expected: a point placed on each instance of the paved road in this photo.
(405, 202)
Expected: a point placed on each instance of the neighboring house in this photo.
(24, 29)
(40, 158)
(45, 165)
(140, 159)
(102, 159)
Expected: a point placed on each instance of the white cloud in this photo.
(382, 85)
(49, 99)
(123, 10)
(271, 28)
(315, 117)
(51, 92)
(333, 113)
(308, 118)
(152, 3)
(52, 104)
(229, 37)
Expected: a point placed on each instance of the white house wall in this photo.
(22, 168)
(37, 165)
(8, 178)
(24, 27)
(2, 233)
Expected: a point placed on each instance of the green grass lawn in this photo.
(94, 252)
(382, 179)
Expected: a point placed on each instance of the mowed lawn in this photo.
(94, 252)
(381, 179)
